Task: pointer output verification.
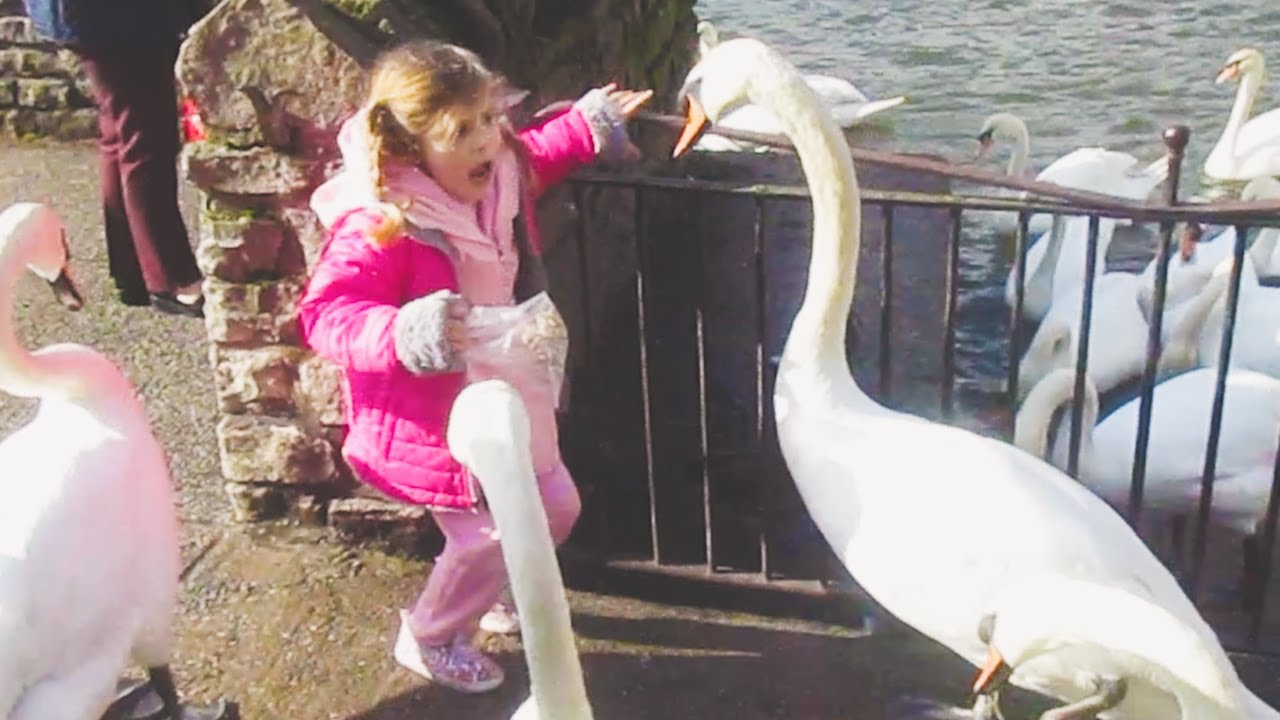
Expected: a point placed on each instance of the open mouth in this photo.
(481, 173)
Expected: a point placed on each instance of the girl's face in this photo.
(465, 170)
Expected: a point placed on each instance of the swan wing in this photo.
(833, 90)
(1105, 171)
(850, 114)
(1260, 130)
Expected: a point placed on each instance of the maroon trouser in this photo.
(147, 245)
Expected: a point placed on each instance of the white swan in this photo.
(1248, 147)
(1197, 257)
(847, 103)
(489, 434)
(1179, 437)
(1056, 264)
(1193, 329)
(1094, 169)
(932, 520)
(88, 530)
(1117, 335)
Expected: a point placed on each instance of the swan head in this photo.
(725, 79)
(1000, 126)
(488, 417)
(41, 240)
(1042, 615)
(1241, 62)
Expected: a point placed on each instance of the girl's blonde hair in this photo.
(421, 91)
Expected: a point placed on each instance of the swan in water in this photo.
(1117, 342)
(1094, 169)
(89, 558)
(1197, 257)
(1192, 330)
(1178, 440)
(934, 521)
(489, 434)
(1248, 147)
(847, 103)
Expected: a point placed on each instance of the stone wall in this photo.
(274, 79)
(43, 92)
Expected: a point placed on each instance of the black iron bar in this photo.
(1082, 349)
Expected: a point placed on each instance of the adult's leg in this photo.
(122, 259)
(137, 89)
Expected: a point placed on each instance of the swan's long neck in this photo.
(1241, 109)
(817, 336)
(1182, 349)
(1035, 419)
(494, 444)
(21, 373)
(1021, 148)
(1040, 281)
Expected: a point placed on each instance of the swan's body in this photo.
(1094, 169)
(89, 555)
(88, 533)
(931, 520)
(849, 105)
(489, 434)
(1118, 335)
(1181, 409)
(1248, 147)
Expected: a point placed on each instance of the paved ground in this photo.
(292, 625)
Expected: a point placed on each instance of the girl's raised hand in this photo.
(628, 100)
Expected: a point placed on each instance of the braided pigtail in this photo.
(381, 131)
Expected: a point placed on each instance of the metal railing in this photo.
(1050, 199)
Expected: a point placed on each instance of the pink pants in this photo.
(469, 574)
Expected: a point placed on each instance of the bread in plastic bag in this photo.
(523, 344)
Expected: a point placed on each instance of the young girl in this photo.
(428, 217)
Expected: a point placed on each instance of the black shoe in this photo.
(168, 303)
(134, 298)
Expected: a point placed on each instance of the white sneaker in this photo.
(500, 620)
(455, 665)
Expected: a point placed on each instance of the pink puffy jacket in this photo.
(396, 418)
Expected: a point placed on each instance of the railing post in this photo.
(1175, 143)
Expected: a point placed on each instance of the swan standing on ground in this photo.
(849, 105)
(89, 558)
(1179, 439)
(1248, 147)
(489, 434)
(1094, 169)
(934, 521)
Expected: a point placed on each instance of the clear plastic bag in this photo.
(522, 343)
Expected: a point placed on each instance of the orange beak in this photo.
(989, 670)
(695, 122)
(1227, 73)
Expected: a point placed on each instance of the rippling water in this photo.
(1080, 74)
